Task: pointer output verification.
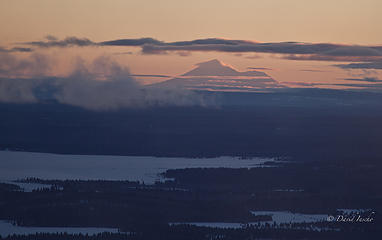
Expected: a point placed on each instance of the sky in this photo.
(260, 30)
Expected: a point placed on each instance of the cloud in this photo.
(303, 84)
(260, 68)
(354, 50)
(15, 49)
(368, 84)
(367, 79)
(324, 51)
(150, 75)
(236, 46)
(132, 42)
(101, 85)
(124, 53)
(364, 65)
(292, 50)
(360, 85)
(17, 90)
(312, 70)
(318, 57)
(252, 56)
(52, 41)
(35, 65)
(51, 38)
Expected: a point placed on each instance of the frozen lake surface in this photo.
(289, 217)
(347, 211)
(279, 217)
(212, 224)
(6, 229)
(20, 165)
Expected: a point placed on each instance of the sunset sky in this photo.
(350, 28)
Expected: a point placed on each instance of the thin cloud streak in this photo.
(260, 68)
(367, 79)
(150, 75)
(15, 49)
(360, 85)
(365, 65)
(67, 42)
(312, 70)
(318, 57)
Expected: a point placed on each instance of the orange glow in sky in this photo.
(326, 21)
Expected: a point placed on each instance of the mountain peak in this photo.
(215, 67)
(213, 62)
(212, 68)
(214, 75)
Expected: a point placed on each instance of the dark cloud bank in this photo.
(293, 50)
(367, 57)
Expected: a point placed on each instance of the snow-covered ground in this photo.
(6, 229)
(19, 165)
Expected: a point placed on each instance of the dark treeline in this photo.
(187, 232)
(9, 187)
(313, 185)
(303, 125)
(202, 195)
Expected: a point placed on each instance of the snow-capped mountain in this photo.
(216, 76)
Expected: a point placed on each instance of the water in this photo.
(6, 229)
(347, 211)
(20, 165)
(289, 217)
(213, 224)
(280, 217)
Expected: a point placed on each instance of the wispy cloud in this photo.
(34, 65)
(240, 46)
(51, 41)
(260, 68)
(150, 75)
(15, 49)
(323, 57)
(312, 70)
(360, 85)
(367, 79)
(132, 42)
(365, 84)
(101, 85)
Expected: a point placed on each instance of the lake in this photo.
(20, 165)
